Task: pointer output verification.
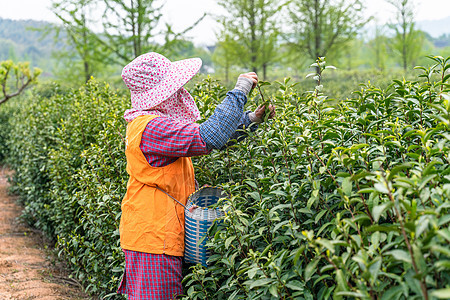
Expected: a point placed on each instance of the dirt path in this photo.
(26, 268)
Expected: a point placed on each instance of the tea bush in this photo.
(334, 199)
(4, 131)
(342, 201)
(67, 151)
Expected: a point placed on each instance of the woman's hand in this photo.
(246, 82)
(251, 75)
(260, 112)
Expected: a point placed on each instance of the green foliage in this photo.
(6, 111)
(343, 199)
(67, 151)
(320, 27)
(15, 78)
(407, 42)
(250, 34)
(4, 133)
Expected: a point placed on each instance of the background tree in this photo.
(225, 54)
(130, 27)
(134, 27)
(378, 49)
(407, 41)
(348, 55)
(319, 27)
(126, 30)
(74, 15)
(252, 26)
(14, 78)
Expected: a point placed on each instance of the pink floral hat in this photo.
(156, 87)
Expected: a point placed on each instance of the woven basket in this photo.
(198, 221)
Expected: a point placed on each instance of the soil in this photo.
(28, 267)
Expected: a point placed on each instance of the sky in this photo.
(182, 13)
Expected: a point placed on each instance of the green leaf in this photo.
(397, 169)
(319, 216)
(341, 281)
(444, 220)
(279, 193)
(440, 249)
(383, 228)
(261, 282)
(347, 186)
(394, 292)
(441, 293)
(443, 264)
(117, 270)
(374, 269)
(252, 272)
(419, 259)
(400, 255)
(255, 196)
(273, 289)
(311, 268)
(326, 243)
(381, 187)
(422, 225)
(445, 233)
(378, 210)
(311, 201)
(228, 241)
(351, 294)
(263, 83)
(251, 183)
(295, 285)
(298, 253)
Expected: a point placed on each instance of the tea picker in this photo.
(162, 136)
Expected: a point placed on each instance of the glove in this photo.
(244, 84)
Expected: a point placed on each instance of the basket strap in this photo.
(157, 187)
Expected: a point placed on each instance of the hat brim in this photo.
(180, 73)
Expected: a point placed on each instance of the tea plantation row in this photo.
(343, 200)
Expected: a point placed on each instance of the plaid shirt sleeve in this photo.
(222, 128)
(241, 133)
(164, 140)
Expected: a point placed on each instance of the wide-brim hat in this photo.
(152, 78)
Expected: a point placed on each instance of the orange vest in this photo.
(151, 221)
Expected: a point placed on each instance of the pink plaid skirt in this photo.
(151, 276)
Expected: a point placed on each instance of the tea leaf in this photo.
(261, 282)
(295, 285)
(441, 293)
(311, 269)
(394, 292)
(400, 255)
(378, 210)
(381, 187)
(347, 186)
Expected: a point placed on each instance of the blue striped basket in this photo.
(199, 220)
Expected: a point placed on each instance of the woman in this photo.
(161, 137)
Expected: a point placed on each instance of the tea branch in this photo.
(423, 285)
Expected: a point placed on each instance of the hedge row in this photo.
(67, 151)
(346, 200)
(337, 201)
